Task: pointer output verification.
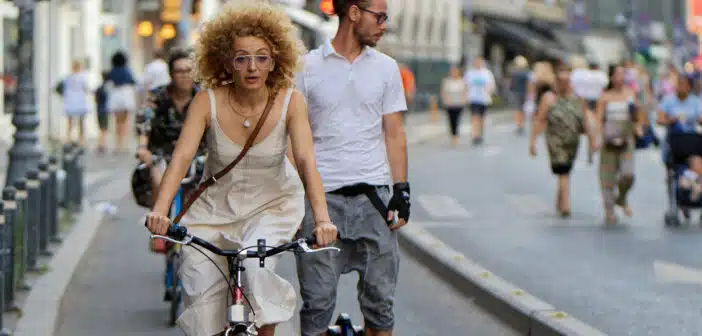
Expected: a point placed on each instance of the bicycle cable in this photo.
(229, 287)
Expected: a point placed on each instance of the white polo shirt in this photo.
(346, 103)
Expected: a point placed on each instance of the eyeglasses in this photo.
(379, 17)
(262, 61)
(182, 71)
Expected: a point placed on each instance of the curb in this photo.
(524, 312)
(40, 312)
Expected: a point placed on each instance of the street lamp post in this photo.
(25, 152)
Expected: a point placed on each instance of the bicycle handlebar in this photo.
(179, 235)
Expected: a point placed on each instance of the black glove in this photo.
(400, 200)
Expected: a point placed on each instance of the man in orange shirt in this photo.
(408, 84)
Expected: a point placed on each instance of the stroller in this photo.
(681, 147)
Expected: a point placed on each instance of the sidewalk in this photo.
(106, 180)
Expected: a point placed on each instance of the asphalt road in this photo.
(496, 205)
(117, 290)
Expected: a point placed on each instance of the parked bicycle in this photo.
(240, 316)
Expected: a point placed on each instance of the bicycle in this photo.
(240, 317)
(174, 289)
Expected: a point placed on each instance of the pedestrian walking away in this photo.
(103, 118)
(356, 101)
(245, 58)
(121, 99)
(541, 80)
(588, 84)
(75, 102)
(619, 118)
(519, 84)
(454, 97)
(156, 73)
(561, 114)
(481, 86)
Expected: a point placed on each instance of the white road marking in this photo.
(528, 203)
(492, 151)
(441, 206)
(437, 224)
(502, 128)
(666, 272)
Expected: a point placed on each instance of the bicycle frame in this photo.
(239, 314)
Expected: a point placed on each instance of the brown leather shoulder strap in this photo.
(247, 146)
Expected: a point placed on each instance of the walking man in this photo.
(356, 100)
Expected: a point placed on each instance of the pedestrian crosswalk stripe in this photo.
(441, 206)
(492, 151)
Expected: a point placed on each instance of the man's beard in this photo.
(364, 40)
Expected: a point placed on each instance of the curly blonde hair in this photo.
(214, 50)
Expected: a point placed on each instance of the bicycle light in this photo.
(261, 251)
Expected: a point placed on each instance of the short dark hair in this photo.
(177, 54)
(341, 7)
(159, 53)
(119, 59)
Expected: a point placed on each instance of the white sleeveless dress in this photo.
(262, 197)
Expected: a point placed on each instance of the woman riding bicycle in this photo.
(246, 57)
(161, 119)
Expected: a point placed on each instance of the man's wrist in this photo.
(401, 184)
(401, 187)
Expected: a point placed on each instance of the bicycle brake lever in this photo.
(185, 241)
(305, 248)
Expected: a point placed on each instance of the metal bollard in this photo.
(79, 166)
(45, 207)
(3, 251)
(19, 235)
(54, 231)
(33, 219)
(68, 168)
(10, 214)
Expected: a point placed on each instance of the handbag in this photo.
(613, 138)
(213, 178)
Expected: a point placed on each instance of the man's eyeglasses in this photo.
(243, 61)
(380, 17)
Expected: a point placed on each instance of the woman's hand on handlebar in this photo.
(325, 233)
(157, 223)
